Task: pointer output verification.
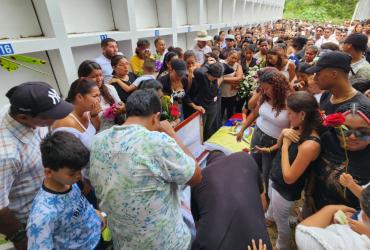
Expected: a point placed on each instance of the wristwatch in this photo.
(17, 236)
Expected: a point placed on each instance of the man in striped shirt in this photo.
(33, 107)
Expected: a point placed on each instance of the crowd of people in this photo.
(107, 160)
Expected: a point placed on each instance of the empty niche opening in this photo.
(213, 11)
(96, 16)
(227, 11)
(19, 20)
(153, 14)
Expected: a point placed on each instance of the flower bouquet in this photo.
(170, 111)
(249, 83)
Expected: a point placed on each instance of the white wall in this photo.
(146, 14)
(362, 11)
(227, 11)
(72, 29)
(18, 20)
(10, 79)
(87, 15)
(213, 11)
(181, 10)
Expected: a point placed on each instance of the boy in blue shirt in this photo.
(61, 217)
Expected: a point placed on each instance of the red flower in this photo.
(174, 111)
(334, 120)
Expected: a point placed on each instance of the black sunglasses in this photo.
(362, 135)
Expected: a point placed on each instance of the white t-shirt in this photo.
(140, 79)
(323, 40)
(269, 123)
(227, 89)
(106, 67)
(333, 237)
(200, 52)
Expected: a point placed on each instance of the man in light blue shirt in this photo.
(137, 169)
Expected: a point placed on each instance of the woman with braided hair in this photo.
(270, 115)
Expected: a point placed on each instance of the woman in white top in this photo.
(271, 115)
(108, 94)
(230, 84)
(82, 122)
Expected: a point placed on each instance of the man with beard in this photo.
(109, 48)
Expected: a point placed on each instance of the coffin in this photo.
(190, 132)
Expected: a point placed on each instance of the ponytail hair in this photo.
(306, 102)
(80, 86)
(115, 60)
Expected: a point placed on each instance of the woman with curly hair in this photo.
(270, 115)
(276, 57)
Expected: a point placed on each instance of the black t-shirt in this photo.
(227, 204)
(332, 158)
(331, 165)
(290, 192)
(330, 108)
(203, 91)
(123, 95)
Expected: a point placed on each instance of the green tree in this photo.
(320, 10)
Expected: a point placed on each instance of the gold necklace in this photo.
(343, 99)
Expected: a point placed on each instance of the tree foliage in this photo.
(320, 10)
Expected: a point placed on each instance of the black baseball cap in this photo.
(38, 98)
(216, 69)
(179, 66)
(334, 59)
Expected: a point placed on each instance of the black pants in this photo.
(239, 104)
(264, 161)
(228, 104)
(210, 121)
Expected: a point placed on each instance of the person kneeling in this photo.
(61, 217)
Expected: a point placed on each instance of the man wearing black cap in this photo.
(356, 45)
(204, 94)
(33, 106)
(331, 74)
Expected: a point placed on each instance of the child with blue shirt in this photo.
(61, 217)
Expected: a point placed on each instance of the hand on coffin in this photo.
(199, 108)
(239, 135)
